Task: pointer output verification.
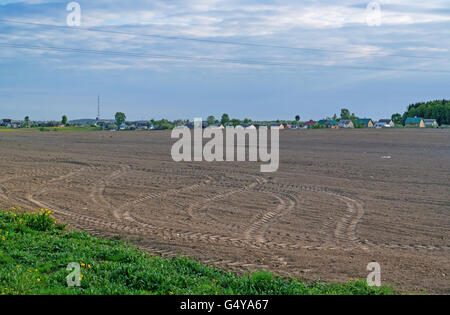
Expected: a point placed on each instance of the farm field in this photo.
(340, 199)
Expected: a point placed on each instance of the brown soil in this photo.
(334, 205)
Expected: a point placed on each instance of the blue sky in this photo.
(340, 60)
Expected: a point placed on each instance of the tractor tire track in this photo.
(191, 209)
(97, 194)
(346, 228)
(121, 211)
(169, 234)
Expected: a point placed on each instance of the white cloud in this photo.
(328, 25)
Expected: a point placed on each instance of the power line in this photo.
(211, 41)
(208, 59)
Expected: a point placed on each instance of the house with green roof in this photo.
(415, 122)
(364, 122)
(328, 123)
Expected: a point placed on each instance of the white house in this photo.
(346, 123)
(216, 126)
(430, 123)
(249, 126)
(385, 123)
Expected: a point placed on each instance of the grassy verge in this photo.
(51, 129)
(35, 251)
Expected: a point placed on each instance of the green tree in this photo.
(225, 119)
(164, 124)
(120, 119)
(235, 122)
(345, 114)
(64, 120)
(211, 120)
(438, 109)
(27, 121)
(397, 119)
(297, 119)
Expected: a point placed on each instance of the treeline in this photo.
(439, 110)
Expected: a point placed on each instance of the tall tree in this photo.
(211, 120)
(297, 119)
(64, 120)
(225, 119)
(235, 122)
(120, 119)
(345, 114)
(27, 121)
(397, 119)
(438, 109)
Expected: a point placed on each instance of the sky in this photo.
(180, 59)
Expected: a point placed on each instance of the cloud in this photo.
(338, 30)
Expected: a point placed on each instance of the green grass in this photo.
(50, 129)
(35, 251)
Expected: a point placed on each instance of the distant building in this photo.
(249, 126)
(346, 124)
(310, 123)
(365, 122)
(328, 123)
(6, 122)
(141, 125)
(123, 127)
(216, 126)
(105, 124)
(432, 123)
(290, 126)
(276, 125)
(385, 123)
(414, 122)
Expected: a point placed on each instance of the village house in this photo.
(414, 122)
(249, 126)
(216, 126)
(310, 124)
(142, 125)
(385, 123)
(328, 123)
(346, 123)
(364, 122)
(277, 125)
(106, 124)
(431, 123)
(6, 122)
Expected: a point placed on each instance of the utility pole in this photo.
(98, 108)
